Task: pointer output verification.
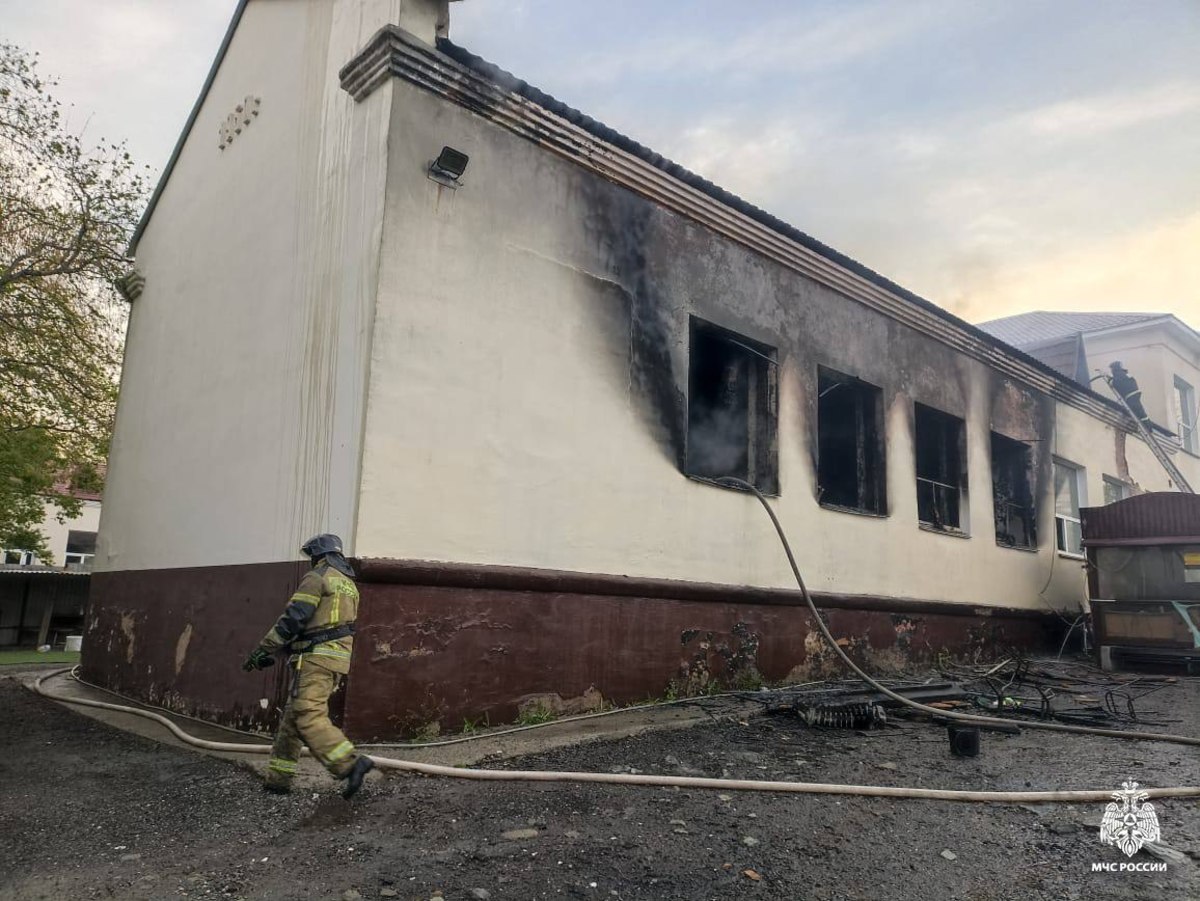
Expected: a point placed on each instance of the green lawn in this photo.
(8, 658)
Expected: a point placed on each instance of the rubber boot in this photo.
(354, 779)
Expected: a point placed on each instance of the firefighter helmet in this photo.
(320, 545)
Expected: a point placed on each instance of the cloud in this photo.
(812, 39)
(130, 68)
(1154, 268)
(1086, 118)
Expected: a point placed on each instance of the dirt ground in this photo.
(87, 811)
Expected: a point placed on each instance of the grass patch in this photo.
(11, 658)
(471, 727)
(535, 715)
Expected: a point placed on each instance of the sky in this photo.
(994, 157)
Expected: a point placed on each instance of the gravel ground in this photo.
(87, 811)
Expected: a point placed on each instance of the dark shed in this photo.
(1144, 579)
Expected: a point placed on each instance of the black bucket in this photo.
(964, 740)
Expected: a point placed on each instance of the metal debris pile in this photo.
(1069, 691)
(1021, 688)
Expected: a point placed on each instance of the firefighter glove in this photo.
(259, 658)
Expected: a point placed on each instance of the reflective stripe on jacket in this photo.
(324, 599)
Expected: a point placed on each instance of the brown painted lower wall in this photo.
(177, 637)
(440, 642)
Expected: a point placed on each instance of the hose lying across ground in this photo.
(811, 788)
(696, 782)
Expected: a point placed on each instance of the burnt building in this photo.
(396, 293)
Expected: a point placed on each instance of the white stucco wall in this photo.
(504, 425)
(240, 413)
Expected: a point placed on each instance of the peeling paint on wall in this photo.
(127, 630)
(181, 647)
(712, 660)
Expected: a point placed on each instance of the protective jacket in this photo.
(318, 620)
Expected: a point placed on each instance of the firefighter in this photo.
(317, 632)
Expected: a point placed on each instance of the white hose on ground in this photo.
(809, 788)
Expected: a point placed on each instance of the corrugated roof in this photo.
(1027, 330)
(1161, 517)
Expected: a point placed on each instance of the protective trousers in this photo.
(306, 721)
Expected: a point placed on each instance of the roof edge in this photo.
(140, 229)
(1169, 319)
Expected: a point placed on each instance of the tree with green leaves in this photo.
(67, 210)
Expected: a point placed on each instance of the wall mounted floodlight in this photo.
(449, 167)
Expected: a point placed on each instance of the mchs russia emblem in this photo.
(1129, 821)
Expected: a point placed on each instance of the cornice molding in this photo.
(394, 53)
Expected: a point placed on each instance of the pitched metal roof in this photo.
(1027, 330)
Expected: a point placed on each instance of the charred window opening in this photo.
(732, 408)
(1012, 492)
(941, 468)
(849, 443)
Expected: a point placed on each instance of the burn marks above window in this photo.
(1012, 493)
(732, 407)
(941, 451)
(850, 435)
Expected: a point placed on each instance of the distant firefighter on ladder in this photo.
(317, 631)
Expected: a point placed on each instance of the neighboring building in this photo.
(72, 542)
(43, 601)
(1157, 349)
(505, 387)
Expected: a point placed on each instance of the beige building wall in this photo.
(508, 420)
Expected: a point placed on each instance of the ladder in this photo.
(1152, 442)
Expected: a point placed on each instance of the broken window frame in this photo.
(1068, 529)
(1020, 504)
(935, 516)
(870, 446)
(760, 405)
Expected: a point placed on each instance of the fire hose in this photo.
(700, 782)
